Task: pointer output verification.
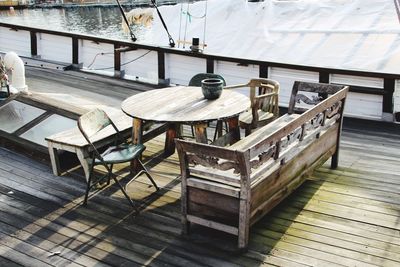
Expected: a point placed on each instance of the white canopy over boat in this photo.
(346, 34)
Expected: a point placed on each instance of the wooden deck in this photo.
(344, 217)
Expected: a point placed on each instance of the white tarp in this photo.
(344, 34)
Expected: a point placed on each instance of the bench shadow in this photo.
(110, 231)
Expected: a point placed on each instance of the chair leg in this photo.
(247, 130)
(148, 175)
(110, 174)
(88, 185)
(123, 191)
(218, 130)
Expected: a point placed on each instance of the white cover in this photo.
(344, 34)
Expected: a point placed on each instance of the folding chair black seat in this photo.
(93, 125)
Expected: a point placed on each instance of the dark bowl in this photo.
(212, 88)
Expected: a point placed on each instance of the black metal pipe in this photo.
(133, 37)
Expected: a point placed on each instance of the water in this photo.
(98, 21)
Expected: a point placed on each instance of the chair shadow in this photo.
(110, 231)
(266, 236)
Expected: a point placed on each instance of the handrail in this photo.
(242, 61)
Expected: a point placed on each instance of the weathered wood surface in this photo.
(264, 103)
(184, 104)
(269, 164)
(343, 217)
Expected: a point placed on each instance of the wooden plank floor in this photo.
(344, 217)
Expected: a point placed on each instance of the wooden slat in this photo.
(342, 217)
(214, 225)
(216, 175)
(213, 187)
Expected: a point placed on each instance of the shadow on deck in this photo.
(348, 216)
(344, 217)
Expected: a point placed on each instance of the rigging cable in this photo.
(171, 41)
(133, 37)
(187, 19)
(180, 25)
(205, 24)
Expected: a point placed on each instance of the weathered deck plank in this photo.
(344, 217)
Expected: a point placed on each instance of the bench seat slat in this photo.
(255, 137)
(215, 225)
(213, 186)
(216, 175)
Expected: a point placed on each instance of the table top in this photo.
(184, 104)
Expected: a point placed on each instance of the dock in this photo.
(344, 217)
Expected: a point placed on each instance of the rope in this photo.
(205, 24)
(180, 24)
(133, 37)
(126, 63)
(171, 41)
(98, 54)
(187, 18)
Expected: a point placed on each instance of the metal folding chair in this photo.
(92, 125)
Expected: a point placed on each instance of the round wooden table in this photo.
(184, 104)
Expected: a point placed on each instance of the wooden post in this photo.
(117, 61)
(184, 193)
(200, 132)
(335, 156)
(137, 138)
(263, 71)
(388, 88)
(233, 125)
(173, 129)
(323, 76)
(244, 202)
(75, 51)
(33, 44)
(161, 66)
(210, 65)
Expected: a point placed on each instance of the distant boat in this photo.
(11, 4)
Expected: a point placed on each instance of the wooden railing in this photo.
(171, 65)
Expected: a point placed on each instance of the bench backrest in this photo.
(308, 94)
(268, 147)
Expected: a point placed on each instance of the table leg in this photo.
(233, 124)
(137, 138)
(172, 132)
(200, 132)
(55, 161)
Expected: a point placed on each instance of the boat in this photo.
(13, 4)
(343, 217)
(364, 57)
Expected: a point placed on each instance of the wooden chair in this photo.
(264, 103)
(91, 126)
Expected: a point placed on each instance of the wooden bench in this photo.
(230, 188)
(73, 141)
